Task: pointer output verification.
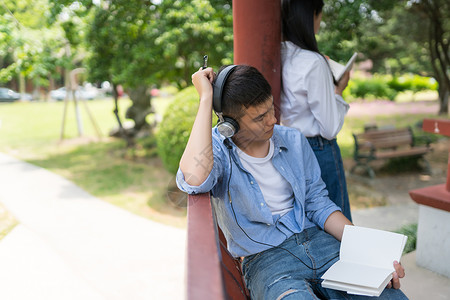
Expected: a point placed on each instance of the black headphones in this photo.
(227, 126)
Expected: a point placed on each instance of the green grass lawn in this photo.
(130, 178)
(33, 127)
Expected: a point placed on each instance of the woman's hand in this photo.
(202, 80)
(342, 83)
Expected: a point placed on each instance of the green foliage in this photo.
(411, 232)
(370, 88)
(386, 86)
(382, 31)
(137, 42)
(414, 83)
(189, 29)
(175, 128)
(29, 46)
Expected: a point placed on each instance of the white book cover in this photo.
(339, 69)
(366, 260)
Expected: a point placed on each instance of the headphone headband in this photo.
(219, 85)
(227, 126)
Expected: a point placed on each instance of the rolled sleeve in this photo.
(206, 186)
(319, 218)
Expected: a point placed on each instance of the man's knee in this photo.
(287, 293)
(292, 294)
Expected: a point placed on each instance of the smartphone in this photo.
(205, 62)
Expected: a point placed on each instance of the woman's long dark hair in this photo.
(297, 21)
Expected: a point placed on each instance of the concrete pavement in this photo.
(71, 245)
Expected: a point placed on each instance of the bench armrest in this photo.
(204, 276)
(212, 272)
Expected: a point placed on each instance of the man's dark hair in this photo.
(245, 87)
(297, 22)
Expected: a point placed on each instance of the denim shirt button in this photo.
(262, 204)
(268, 224)
(251, 182)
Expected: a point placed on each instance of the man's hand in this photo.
(399, 273)
(202, 80)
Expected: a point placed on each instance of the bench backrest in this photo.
(384, 138)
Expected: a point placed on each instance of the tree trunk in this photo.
(122, 132)
(444, 93)
(140, 108)
(438, 47)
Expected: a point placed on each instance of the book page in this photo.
(356, 274)
(354, 289)
(372, 247)
(338, 69)
(366, 260)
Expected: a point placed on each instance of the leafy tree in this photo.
(436, 15)
(28, 47)
(190, 29)
(398, 36)
(138, 43)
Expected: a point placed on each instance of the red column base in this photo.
(435, 196)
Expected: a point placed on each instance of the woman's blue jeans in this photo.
(329, 157)
(276, 274)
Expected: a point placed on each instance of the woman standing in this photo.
(311, 99)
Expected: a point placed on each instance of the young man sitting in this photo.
(265, 183)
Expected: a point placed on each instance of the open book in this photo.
(338, 69)
(366, 261)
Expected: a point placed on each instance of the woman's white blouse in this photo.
(308, 101)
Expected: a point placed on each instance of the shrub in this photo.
(175, 128)
(375, 87)
(386, 86)
(399, 84)
(414, 83)
(411, 232)
(420, 83)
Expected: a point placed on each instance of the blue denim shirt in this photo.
(295, 161)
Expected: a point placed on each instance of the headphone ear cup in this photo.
(228, 127)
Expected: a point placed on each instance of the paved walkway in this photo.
(71, 245)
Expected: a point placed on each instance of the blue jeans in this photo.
(276, 274)
(329, 157)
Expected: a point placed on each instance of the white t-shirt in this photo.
(277, 192)
(308, 101)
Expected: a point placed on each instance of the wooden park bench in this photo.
(212, 272)
(377, 144)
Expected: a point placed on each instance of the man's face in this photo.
(256, 125)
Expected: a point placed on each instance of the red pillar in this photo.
(257, 38)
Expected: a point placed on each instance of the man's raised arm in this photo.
(199, 146)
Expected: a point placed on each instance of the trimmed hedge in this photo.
(387, 86)
(375, 87)
(175, 128)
